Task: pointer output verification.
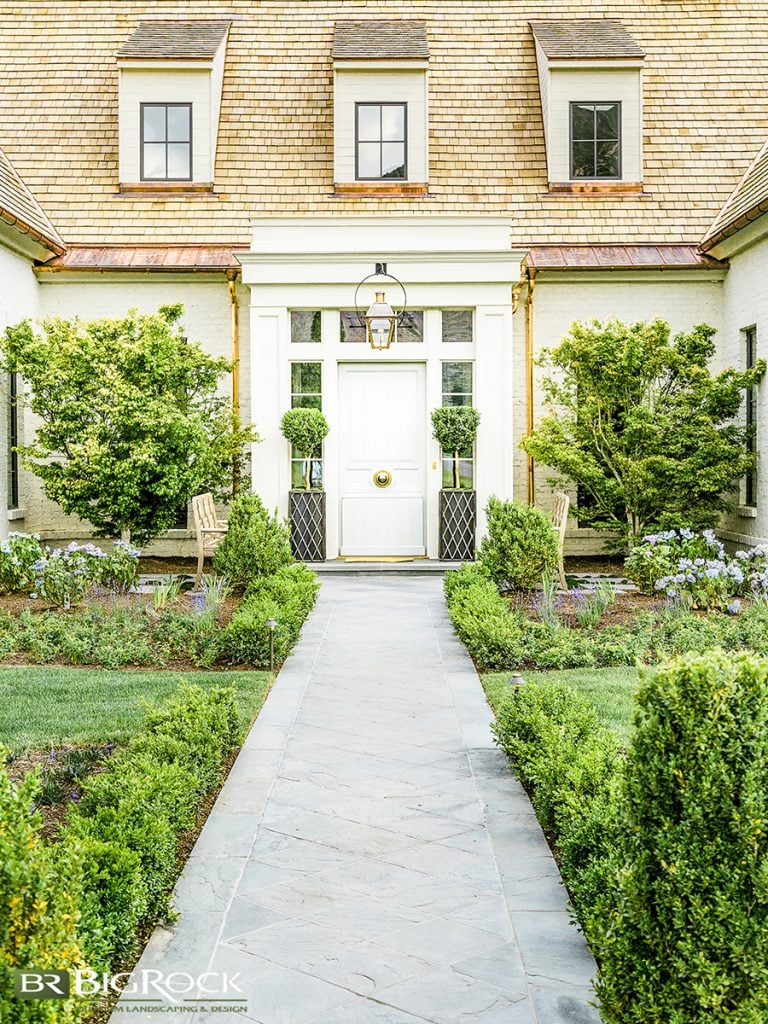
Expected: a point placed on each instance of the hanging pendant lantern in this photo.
(380, 322)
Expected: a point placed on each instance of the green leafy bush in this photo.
(454, 427)
(132, 814)
(256, 543)
(570, 763)
(39, 894)
(17, 556)
(287, 597)
(521, 545)
(482, 618)
(681, 931)
(305, 429)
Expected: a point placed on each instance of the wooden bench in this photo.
(208, 528)
(560, 523)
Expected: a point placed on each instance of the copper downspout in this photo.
(531, 272)
(235, 327)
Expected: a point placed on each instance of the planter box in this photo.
(458, 519)
(306, 510)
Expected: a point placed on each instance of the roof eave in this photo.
(54, 245)
(733, 227)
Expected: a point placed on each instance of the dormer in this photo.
(380, 107)
(171, 75)
(590, 77)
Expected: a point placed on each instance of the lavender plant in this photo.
(591, 605)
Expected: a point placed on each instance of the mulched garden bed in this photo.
(624, 608)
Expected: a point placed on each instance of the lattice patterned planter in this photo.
(458, 518)
(306, 510)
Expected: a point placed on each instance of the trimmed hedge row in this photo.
(118, 637)
(500, 638)
(665, 852)
(82, 902)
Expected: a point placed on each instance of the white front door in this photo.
(382, 439)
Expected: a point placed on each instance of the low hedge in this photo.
(569, 762)
(83, 901)
(664, 850)
(497, 637)
(287, 596)
(113, 637)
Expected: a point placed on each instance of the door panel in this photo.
(382, 425)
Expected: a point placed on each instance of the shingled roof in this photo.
(747, 202)
(369, 40)
(275, 157)
(584, 39)
(190, 40)
(20, 209)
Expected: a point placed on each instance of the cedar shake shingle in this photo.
(578, 40)
(703, 119)
(747, 202)
(190, 40)
(20, 209)
(366, 40)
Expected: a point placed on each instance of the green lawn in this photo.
(41, 706)
(611, 690)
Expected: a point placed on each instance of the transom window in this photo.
(166, 141)
(380, 141)
(595, 140)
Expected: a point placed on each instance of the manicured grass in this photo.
(611, 690)
(42, 706)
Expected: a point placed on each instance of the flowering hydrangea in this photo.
(65, 576)
(658, 555)
(17, 556)
(703, 582)
(754, 565)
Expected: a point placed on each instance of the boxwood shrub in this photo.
(681, 930)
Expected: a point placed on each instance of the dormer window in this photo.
(171, 74)
(166, 141)
(596, 140)
(380, 107)
(381, 141)
(594, 144)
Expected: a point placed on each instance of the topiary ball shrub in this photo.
(305, 429)
(454, 427)
(521, 545)
(256, 543)
(681, 931)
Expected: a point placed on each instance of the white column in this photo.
(270, 397)
(494, 388)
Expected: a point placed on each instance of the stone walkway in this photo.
(371, 859)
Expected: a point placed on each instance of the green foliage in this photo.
(17, 557)
(659, 554)
(498, 638)
(681, 930)
(570, 764)
(591, 605)
(454, 427)
(65, 576)
(256, 544)
(39, 894)
(482, 617)
(305, 429)
(132, 814)
(287, 597)
(132, 421)
(642, 426)
(521, 545)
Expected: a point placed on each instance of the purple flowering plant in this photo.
(659, 555)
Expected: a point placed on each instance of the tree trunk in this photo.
(456, 477)
(307, 470)
(125, 534)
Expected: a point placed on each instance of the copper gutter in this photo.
(754, 213)
(26, 229)
(531, 273)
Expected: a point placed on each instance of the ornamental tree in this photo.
(306, 429)
(131, 421)
(454, 427)
(637, 420)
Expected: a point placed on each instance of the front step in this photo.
(415, 567)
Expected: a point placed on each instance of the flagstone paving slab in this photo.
(371, 859)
